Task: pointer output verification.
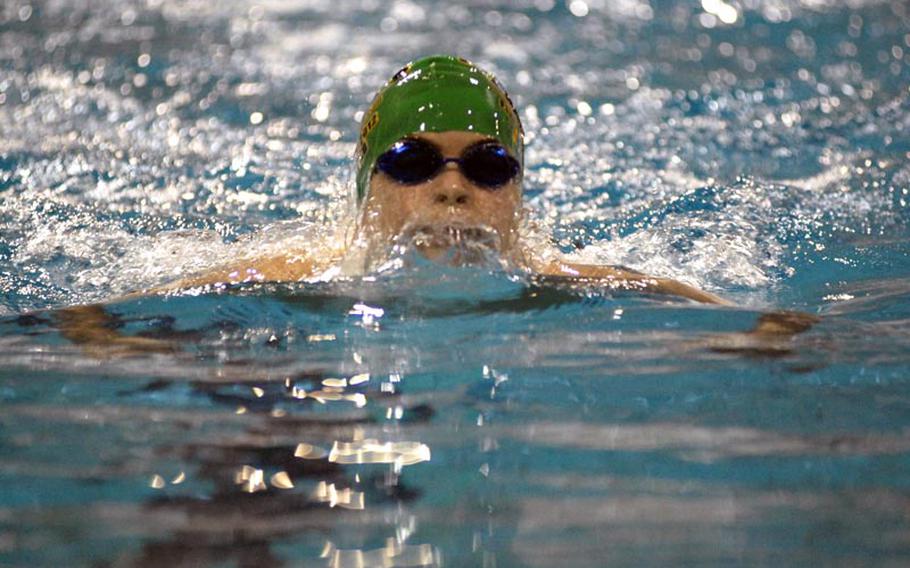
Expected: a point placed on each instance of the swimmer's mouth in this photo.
(452, 235)
(453, 244)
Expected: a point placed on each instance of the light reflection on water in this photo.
(516, 411)
(757, 149)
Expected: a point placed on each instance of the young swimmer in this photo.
(439, 171)
(440, 166)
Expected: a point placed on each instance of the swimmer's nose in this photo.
(451, 188)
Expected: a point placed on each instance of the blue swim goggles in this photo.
(411, 161)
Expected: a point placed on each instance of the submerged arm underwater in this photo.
(94, 329)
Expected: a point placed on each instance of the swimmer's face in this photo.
(445, 201)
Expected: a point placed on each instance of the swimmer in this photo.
(440, 163)
(439, 169)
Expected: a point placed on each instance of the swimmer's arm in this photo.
(95, 329)
(284, 267)
(625, 279)
(772, 335)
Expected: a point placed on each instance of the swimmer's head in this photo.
(440, 93)
(472, 187)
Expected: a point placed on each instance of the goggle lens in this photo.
(488, 164)
(410, 161)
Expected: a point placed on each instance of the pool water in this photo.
(431, 415)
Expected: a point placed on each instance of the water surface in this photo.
(435, 416)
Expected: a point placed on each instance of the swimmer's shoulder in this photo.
(294, 265)
(617, 278)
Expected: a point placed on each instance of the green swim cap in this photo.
(436, 94)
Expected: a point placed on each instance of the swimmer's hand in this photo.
(772, 335)
(615, 278)
(94, 330)
(784, 324)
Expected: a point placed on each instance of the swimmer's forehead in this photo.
(452, 140)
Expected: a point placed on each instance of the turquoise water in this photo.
(755, 148)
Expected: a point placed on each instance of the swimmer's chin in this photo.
(454, 256)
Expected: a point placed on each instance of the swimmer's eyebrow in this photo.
(418, 136)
